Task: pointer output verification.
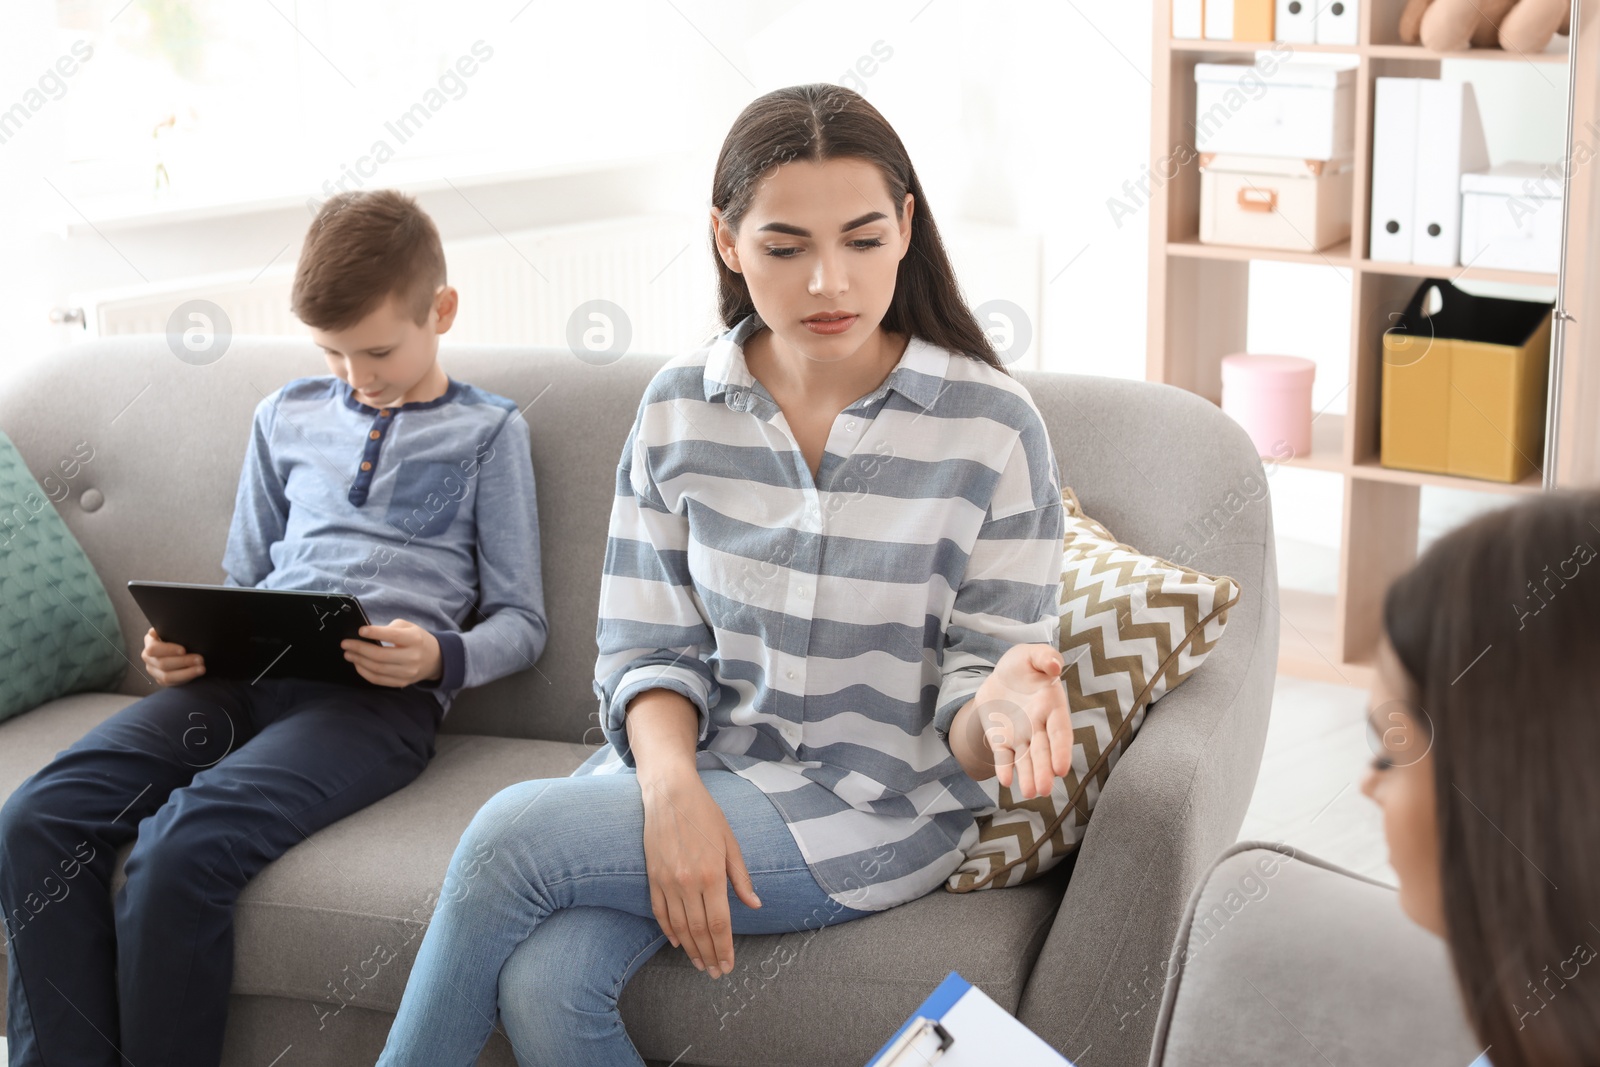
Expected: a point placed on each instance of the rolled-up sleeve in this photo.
(1010, 592)
(651, 633)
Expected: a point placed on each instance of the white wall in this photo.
(1029, 113)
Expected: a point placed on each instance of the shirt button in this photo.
(851, 425)
(791, 674)
(366, 466)
(383, 412)
(802, 591)
(374, 435)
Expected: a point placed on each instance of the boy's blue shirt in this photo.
(424, 511)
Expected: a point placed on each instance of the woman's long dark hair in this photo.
(1515, 741)
(821, 122)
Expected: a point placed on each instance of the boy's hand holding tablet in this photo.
(168, 663)
(409, 654)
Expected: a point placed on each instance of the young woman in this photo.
(1485, 724)
(828, 612)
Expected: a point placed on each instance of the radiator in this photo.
(534, 287)
(518, 288)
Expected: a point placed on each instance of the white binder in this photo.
(1188, 19)
(959, 1026)
(1450, 143)
(1219, 20)
(1337, 21)
(1394, 169)
(1296, 21)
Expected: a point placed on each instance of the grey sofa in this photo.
(326, 934)
(1286, 958)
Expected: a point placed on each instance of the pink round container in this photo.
(1270, 396)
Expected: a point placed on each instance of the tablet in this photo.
(254, 633)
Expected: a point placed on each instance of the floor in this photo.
(1308, 794)
(1309, 791)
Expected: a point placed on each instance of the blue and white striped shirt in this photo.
(828, 631)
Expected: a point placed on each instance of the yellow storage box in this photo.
(1463, 388)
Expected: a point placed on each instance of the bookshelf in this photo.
(1199, 297)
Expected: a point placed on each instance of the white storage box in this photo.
(1302, 205)
(1511, 218)
(1274, 107)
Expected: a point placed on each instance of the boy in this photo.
(387, 479)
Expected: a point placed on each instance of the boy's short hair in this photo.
(362, 248)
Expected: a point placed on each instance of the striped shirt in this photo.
(827, 631)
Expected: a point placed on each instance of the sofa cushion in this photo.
(28, 742)
(334, 924)
(1133, 627)
(58, 630)
(354, 897)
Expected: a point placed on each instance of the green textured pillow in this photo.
(58, 630)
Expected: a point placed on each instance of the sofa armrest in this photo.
(1175, 800)
(1286, 958)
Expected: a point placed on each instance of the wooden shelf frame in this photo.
(1376, 51)
(1198, 312)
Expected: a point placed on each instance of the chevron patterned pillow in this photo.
(1133, 627)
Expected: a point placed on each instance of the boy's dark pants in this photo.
(212, 780)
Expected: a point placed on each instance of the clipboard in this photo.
(960, 1026)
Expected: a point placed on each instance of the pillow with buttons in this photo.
(58, 630)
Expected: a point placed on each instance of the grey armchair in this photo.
(1286, 958)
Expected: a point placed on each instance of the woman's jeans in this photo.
(545, 914)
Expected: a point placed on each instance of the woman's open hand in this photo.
(690, 856)
(1022, 709)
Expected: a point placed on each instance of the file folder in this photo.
(1219, 20)
(1337, 21)
(1297, 21)
(1450, 143)
(1252, 20)
(1394, 169)
(1188, 19)
(959, 1026)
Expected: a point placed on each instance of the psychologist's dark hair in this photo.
(1515, 737)
(821, 122)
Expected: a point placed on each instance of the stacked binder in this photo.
(1426, 134)
(1296, 21)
